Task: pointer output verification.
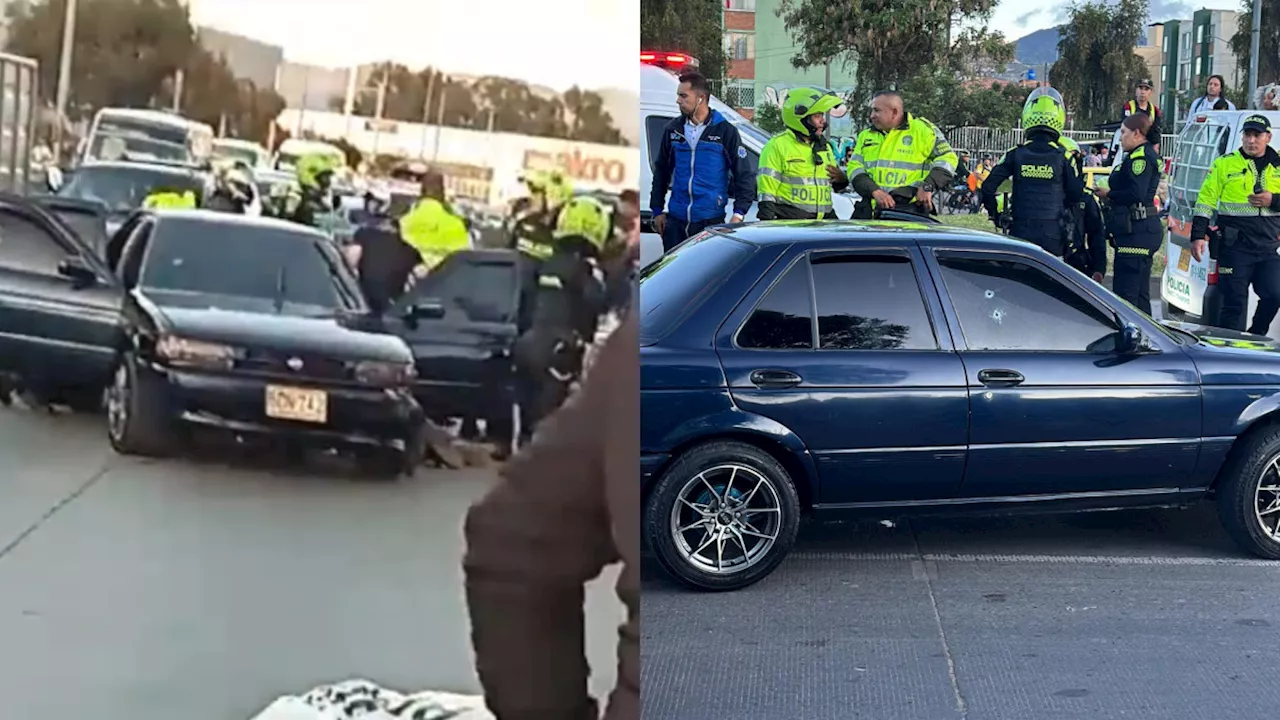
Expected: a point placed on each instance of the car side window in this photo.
(476, 291)
(784, 318)
(134, 250)
(26, 246)
(1006, 304)
(870, 302)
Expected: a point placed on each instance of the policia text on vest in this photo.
(1043, 185)
(1243, 188)
(910, 158)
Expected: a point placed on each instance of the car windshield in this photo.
(677, 284)
(123, 138)
(275, 267)
(123, 188)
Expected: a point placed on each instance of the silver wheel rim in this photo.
(726, 519)
(117, 404)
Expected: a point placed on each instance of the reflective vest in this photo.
(170, 200)
(433, 231)
(790, 178)
(1226, 190)
(1131, 107)
(902, 157)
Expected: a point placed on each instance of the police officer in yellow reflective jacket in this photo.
(1043, 182)
(793, 182)
(431, 227)
(899, 161)
(534, 217)
(1243, 188)
(1131, 213)
(171, 200)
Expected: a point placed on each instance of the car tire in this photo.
(700, 475)
(1253, 466)
(138, 418)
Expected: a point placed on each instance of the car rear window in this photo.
(680, 282)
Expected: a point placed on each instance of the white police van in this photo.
(1188, 287)
(658, 88)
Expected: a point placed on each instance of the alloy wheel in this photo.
(726, 519)
(118, 403)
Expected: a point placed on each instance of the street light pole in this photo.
(64, 74)
(1254, 40)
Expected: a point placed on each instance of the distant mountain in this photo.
(1038, 48)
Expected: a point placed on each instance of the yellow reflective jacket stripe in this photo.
(902, 157)
(789, 176)
(1229, 184)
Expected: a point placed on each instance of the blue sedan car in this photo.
(894, 369)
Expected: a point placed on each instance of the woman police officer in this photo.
(1131, 215)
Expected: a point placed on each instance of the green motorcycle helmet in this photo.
(1044, 109)
(802, 102)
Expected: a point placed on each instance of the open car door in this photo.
(59, 303)
(461, 321)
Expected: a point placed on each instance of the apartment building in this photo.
(774, 76)
(1194, 49)
(739, 89)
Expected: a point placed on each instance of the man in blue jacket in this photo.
(703, 163)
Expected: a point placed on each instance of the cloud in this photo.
(1025, 18)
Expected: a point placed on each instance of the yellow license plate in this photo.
(287, 403)
(1184, 260)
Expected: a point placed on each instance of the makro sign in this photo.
(579, 166)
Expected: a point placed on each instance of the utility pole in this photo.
(1254, 40)
(426, 111)
(64, 75)
(828, 79)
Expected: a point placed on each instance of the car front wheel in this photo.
(723, 516)
(138, 421)
(1249, 494)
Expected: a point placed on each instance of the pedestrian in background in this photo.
(1142, 105)
(703, 163)
(1211, 100)
(567, 506)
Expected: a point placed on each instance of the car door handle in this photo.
(1000, 378)
(775, 378)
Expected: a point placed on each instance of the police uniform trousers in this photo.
(1239, 266)
(1135, 251)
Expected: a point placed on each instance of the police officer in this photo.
(793, 182)
(1086, 232)
(1131, 213)
(431, 226)
(1043, 181)
(561, 310)
(533, 219)
(233, 191)
(166, 198)
(899, 161)
(1244, 189)
(315, 196)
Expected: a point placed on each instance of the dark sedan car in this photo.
(121, 186)
(255, 326)
(888, 369)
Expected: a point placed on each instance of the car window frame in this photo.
(924, 282)
(455, 314)
(29, 212)
(145, 229)
(953, 317)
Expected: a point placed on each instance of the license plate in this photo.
(1184, 259)
(287, 403)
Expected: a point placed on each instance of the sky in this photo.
(1015, 20)
(556, 43)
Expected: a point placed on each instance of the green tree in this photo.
(689, 26)
(124, 50)
(1097, 68)
(951, 103)
(769, 118)
(890, 42)
(1268, 45)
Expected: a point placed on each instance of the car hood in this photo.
(252, 323)
(1222, 339)
(1227, 357)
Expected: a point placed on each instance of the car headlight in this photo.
(180, 351)
(385, 374)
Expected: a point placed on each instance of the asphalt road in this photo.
(203, 589)
(1107, 615)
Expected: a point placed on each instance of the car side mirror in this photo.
(1133, 341)
(428, 309)
(53, 179)
(75, 268)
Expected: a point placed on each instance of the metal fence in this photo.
(992, 141)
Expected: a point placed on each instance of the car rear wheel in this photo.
(723, 516)
(1249, 494)
(138, 421)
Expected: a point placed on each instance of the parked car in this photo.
(121, 186)
(892, 369)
